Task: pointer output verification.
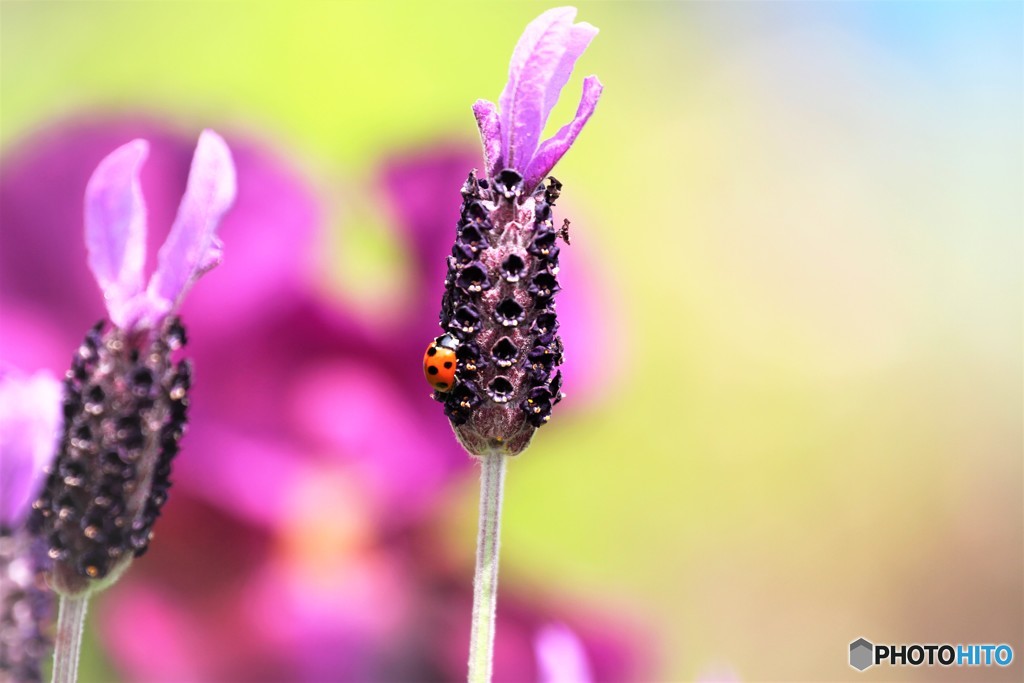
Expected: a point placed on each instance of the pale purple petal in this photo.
(535, 60)
(561, 657)
(490, 134)
(555, 148)
(192, 247)
(576, 43)
(115, 229)
(30, 422)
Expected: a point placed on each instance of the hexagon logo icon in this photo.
(861, 654)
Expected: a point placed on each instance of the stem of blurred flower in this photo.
(485, 582)
(70, 623)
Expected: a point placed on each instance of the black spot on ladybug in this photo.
(447, 364)
(431, 351)
(432, 369)
(441, 385)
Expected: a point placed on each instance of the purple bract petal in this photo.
(192, 247)
(30, 414)
(541, 64)
(555, 148)
(576, 42)
(115, 229)
(536, 55)
(490, 134)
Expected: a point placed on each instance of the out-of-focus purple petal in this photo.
(561, 657)
(246, 477)
(589, 308)
(115, 229)
(30, 421)
(191, 247)
(489, 123)
(615, 647)
(151, 635)
(379, 430)
(536, 58)
(555, 148)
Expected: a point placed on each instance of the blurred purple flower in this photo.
(561, 656)
(286, 551)
(29, 429)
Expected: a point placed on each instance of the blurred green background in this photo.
(810, 218)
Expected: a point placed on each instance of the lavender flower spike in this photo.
(126, 398)
(29, 429)
(541, 65)
(498, 305)
(494, 368)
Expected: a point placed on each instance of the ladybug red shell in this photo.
(440, 363)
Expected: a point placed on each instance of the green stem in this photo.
(485, 583)
(70, 623)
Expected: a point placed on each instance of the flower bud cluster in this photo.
(499, 303)
(125, 409)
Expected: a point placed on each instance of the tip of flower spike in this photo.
(115, 230)
(541, 65)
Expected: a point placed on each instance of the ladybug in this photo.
(439, 362)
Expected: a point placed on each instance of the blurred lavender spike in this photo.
(29, 430)
(126, 395)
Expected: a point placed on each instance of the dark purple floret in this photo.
(475, 215)
(126, 405)
(512, 268)
(473, 278)
(460, 402)
(509, 312)
(509, 184)
(544, 243)
(474, 238)
(500, 389)
(504, 352)
(543, 288)
(462, 253)
(471, 361)
(537, 405)
(466, 322)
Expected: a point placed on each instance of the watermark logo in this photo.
(864, 654)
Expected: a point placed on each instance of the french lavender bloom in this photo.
(498, 309)
(29, 428)
(126, 397)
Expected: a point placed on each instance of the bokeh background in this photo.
(794, 323)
